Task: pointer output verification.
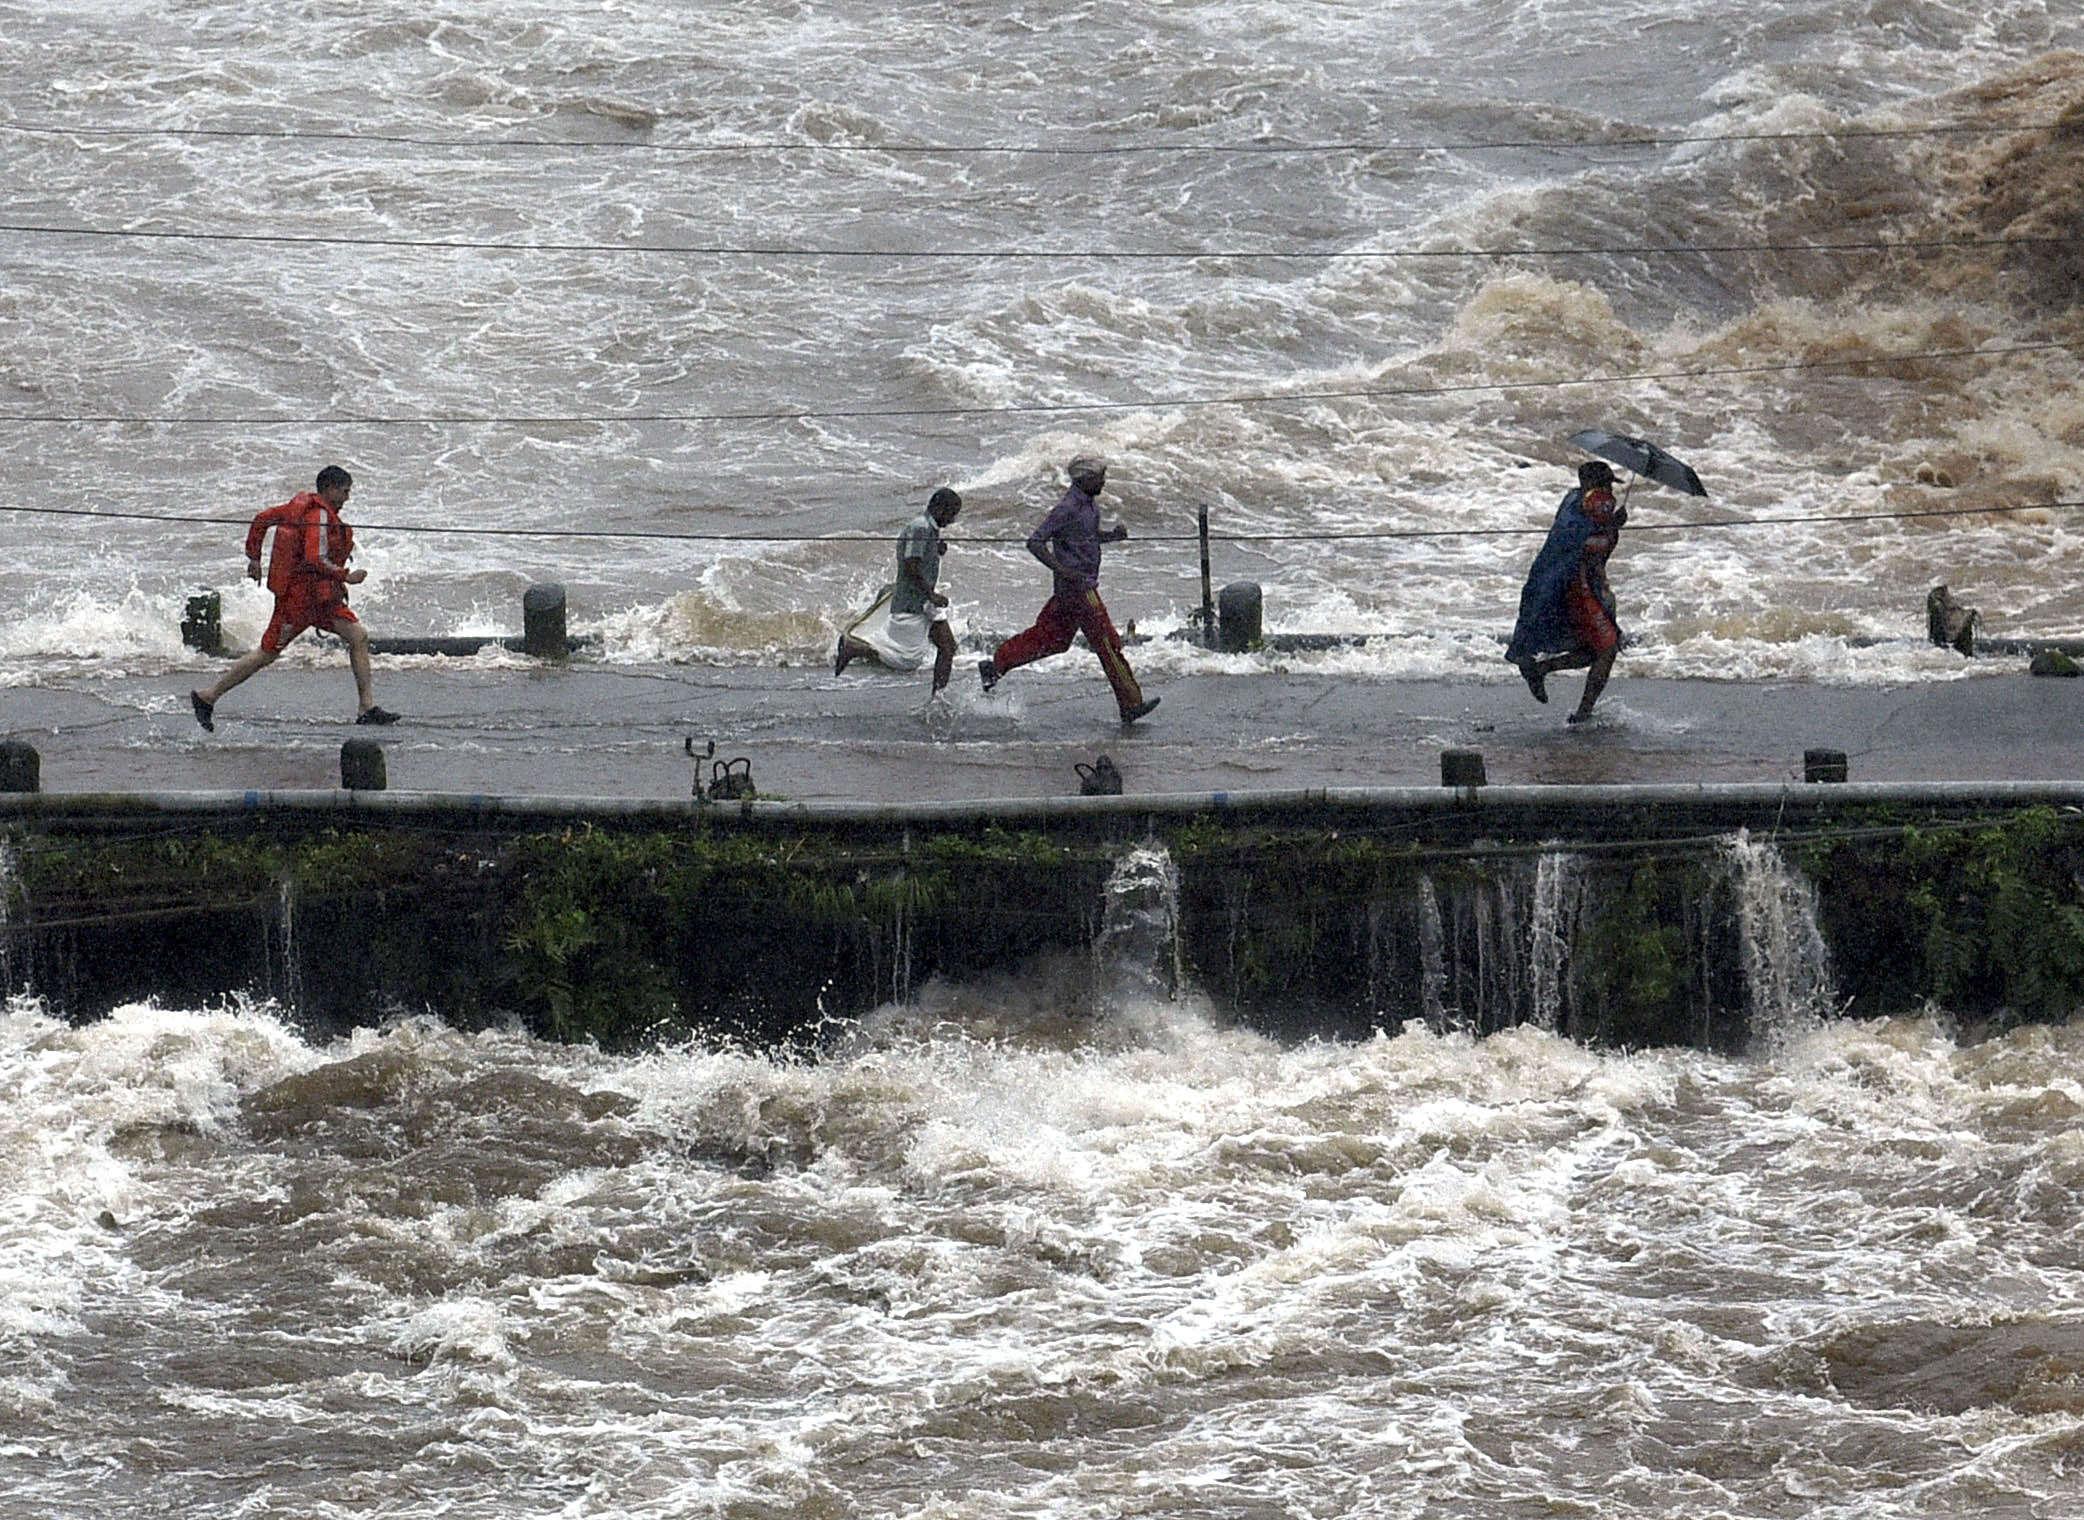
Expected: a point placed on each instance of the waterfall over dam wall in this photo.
(1714, 918)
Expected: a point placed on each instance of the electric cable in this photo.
(1018, 254)
(1020, 409)
(883, 539)
(1357, 146)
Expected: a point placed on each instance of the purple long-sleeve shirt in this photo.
(1072, 532)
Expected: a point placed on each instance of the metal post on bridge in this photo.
(1208, 598)
(1233, 623)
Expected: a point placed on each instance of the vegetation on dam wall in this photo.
(583, 932)
(1367, 932)
(1985, 921)
(622, 934)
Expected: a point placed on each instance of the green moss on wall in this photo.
(1987, 921)
(617, 934)
(1632, 958)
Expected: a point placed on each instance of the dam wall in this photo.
(1706, 915)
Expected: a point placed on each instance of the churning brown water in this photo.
(988, 1258)
(1012, 1250)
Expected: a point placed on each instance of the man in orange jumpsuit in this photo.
(308, 573)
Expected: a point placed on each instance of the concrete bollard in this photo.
(362, 766)
(21, 767)
(1823, 765)
(542, 622)
(202, 624)
(1240, 607)
(1461, 767)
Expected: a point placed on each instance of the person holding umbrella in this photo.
(1567, 619)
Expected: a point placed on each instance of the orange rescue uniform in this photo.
(306, 569)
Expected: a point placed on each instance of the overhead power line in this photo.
(1022, 254)
(1354, 146)
(883, 539)
(1032, 408)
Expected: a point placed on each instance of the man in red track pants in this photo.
(1068, 542)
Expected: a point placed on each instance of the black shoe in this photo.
(988, 674)
(1579, 717)
(1142, 709)
(1537, 682)
(378, 715)
(205, 712)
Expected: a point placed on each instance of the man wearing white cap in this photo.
(1068, 542)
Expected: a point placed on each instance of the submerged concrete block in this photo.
(1823, 765)
(2051, 662)
(1948, 623)
(21, 767)
(1240, 607)
(1461, 767)
(362, 765)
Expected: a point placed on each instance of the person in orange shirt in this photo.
(308, 573)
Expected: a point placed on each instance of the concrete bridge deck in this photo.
(618, 732)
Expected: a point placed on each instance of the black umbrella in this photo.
(1641, 456)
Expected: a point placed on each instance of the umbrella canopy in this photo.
(1641, 456)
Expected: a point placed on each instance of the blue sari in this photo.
(1544, 627)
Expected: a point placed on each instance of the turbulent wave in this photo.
(1468, 431)
(1042, 1245)
(1036, 1265)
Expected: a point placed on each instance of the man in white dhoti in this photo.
(911, 616)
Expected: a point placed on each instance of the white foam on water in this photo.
(933, 1241)
(86, 630)
(454, 1330)
(72, 1096)
(994, 1254)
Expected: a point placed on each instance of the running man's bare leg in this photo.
(1601, 667)
(357, 642)
(943, 652)
(1556, 662)
(848, 651)
(244, 666)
